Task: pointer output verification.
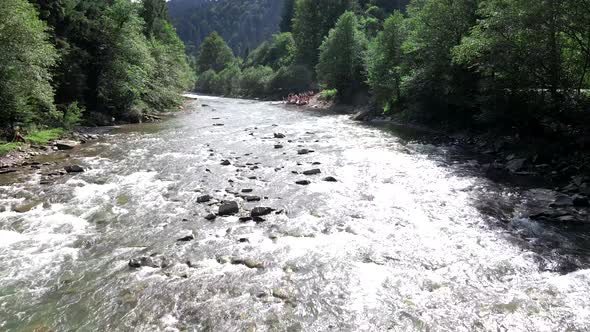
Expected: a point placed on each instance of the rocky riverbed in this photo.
(248, 216)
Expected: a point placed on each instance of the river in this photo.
(399, 243)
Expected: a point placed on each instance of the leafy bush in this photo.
(206, 81)
(8, 147)
(296, 78)
(254, 80)
(43, 136)
(328, 95)
(72, 116)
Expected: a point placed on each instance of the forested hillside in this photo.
(499, 63)
(244, 24)
(67, 61)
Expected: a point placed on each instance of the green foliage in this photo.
(286, 24)
(312, 22)
(385, 60)
(277, 53)
(295, 78)
(207, 82)
(329, 95)
(254, 80)
(26, 95)
(433, 80)
(341, 57)
(72, 116)
(243, 24)
(5, 148)
(41, 137)
(214, 54)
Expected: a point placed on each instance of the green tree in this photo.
(128, 64)
(433, 82)
(341, 57)
(312, 21)
(27, 55)
(286, 24)
(155, 16)
(279, 52)
(254, 81)
(213, 54)
(385, 60)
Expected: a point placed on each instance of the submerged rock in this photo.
(279, 135)
(312, 171)
(225, 162)
(515, 165)
(278, 146)
(580, 201)
(248, 262)
(74, 169)
(155, 262)
(66, 145)
(210, 217)
(330, 179)
(229, 208)
(186, 238)
(204, 199)
(261, 211)
(304, 151)
(303, 182)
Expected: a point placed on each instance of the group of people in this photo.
(299, 99)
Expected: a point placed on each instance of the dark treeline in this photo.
(466, 62)
(66, 61)
(243, 24)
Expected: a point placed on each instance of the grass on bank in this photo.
(44, 136)
(7, 147)
(328, 95)
(38, 137)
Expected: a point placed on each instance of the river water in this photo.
(399, 243)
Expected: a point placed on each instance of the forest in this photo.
(506, 63)
(66, 62)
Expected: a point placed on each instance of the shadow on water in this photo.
(507, 201)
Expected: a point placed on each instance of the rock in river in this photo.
(312, 171)
(229, 208)
(225, 162)
(330, 179)
(304, 151)
(74, 169)
(580, 201)
(261, 211)
(279, 135)
(210, 217)
(66, 145)
(303, 182)
(515, 165)
(203, 199)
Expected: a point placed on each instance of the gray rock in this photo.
(330, 179)
(247, 190)
(155, 262)
(225, 162)
(73, 169)
(304, 151)
(251, 198)
(361, 115)
(66, 145)
(280, 293)
(279, 135)
(515, 165)
(312, 171)
(580, 201)
(210, 217)
(303, 182)
(186, 238)
(203, 199)
(562, 201)
(278, 146)
(261, 211)
(229, 208)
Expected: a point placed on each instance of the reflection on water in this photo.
(402, 241)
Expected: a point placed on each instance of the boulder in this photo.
(361, 115)
(66, 145)
(580, 201)
(229, 208)
(312, 171)
(225, 162)
(330, 179)
(562, 201)
(303, 182)
(210, 217)
(261, 211)
(73, 169)
(279, 135)
(203, 199)
(515, 165)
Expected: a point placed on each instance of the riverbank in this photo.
(556, 168)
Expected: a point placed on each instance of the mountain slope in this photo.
(244, 24)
